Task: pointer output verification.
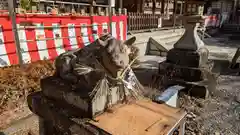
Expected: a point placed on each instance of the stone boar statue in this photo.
(112, 54)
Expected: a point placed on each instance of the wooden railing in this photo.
(141, 21)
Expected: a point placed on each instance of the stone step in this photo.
(23, 126)
(170, 44)
(163, 37)
(166, 40)
(171, 39)
(143, 37)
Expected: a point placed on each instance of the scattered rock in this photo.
(238, 98)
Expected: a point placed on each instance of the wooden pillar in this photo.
(120, 3)
(181, 8)
(235, 9)
(185, 7)
(138, 5)
(141, 6)
(91, 8)
(167, 8)
(154, 6)
(162, 6)
(174, 6)
(181, 11)
(174, 14)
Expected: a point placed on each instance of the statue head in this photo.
(115, 53)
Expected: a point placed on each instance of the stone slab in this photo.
(57, 89)
(181, 57)
(181, 72)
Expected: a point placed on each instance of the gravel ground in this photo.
(218, 114)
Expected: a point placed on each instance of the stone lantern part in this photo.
(190, 39)
(188, 61)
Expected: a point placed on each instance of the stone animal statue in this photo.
(86, 83)
(111, 53)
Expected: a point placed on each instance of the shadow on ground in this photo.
(224, 40)
(1, 133)
(222, 67)
(146, 71)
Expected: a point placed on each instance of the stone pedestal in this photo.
(188, 62)
(189, 50)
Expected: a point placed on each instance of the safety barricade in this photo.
(213, 21)
(47, 36)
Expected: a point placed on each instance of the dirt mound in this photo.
(16, 83)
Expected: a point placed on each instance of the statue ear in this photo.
(103, 40)
(105, 36)
(102, 43)
(130, 41)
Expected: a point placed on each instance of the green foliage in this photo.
(26, 4)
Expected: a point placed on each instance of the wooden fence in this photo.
(141, 21)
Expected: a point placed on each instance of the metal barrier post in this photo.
(110, 15)
(12, 15)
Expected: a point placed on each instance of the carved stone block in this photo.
(181, 73)
(188, 58)
(80, 98)
(55, 122)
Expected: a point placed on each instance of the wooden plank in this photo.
(140, 118)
